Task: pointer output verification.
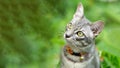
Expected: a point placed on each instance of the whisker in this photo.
(60, 34)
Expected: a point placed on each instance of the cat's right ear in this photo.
(79, 12)
(97, 27)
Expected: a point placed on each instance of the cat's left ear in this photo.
(79, 12)
(97, 27)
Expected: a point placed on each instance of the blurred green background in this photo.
(31, 31)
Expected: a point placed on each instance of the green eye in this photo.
(69, 26)
(80, 33)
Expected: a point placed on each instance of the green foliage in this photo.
(31, 31)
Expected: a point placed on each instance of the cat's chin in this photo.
(77, 49)
(76, 44)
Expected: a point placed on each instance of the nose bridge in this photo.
(69, 33)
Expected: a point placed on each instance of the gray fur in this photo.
(78, 44)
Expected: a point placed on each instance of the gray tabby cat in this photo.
(80, 51)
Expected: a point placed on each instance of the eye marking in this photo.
(69, 26)
(80, 33)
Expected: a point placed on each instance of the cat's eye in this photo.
(80, 33)
(69, 26)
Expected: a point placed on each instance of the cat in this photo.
(80, 34)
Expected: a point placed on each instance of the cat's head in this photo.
(80, 32)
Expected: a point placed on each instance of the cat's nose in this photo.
(67, 36)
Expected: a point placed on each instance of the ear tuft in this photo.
(97, 27)
(79, 12)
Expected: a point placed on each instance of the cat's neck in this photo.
(79, 56)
